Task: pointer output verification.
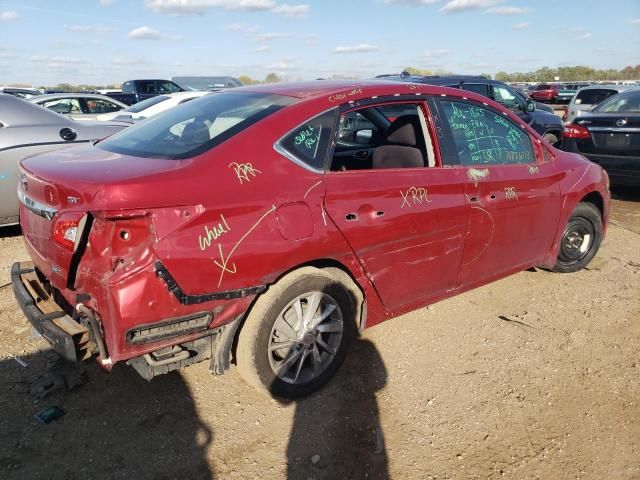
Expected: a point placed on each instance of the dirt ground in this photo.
(534, 376)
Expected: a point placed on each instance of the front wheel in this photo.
(580, 240)
(296, 336)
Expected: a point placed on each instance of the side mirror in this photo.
(531, 106)
(364, 137)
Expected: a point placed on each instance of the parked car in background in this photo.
(539, 116)
(566, 92)
(240, 222)
(134, 91)
(609, 135)
(588, 97)
(152, 106)
(80, 106)
(207, 83)
(27, 129)
(24, 93)
(546, 92)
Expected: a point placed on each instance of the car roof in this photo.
(610, 86)
(321, 88)
(16, 112)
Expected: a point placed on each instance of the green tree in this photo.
(272, 78)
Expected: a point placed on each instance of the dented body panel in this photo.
(181, 240)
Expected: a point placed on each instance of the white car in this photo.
(79, 106)
(153, 106)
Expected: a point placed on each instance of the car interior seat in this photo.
(404, 146)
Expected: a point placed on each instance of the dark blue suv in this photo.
(536, 115)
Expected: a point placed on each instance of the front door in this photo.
(404, 219)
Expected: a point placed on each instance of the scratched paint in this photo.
(244, 171)
(510, 193)
(311, 188)
(414, 196)
(213, 233)
(223, 261)
(476, 174)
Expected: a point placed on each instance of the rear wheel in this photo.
(580, 240)
(296, 335)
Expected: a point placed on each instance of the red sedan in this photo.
(282, 219)
(546, 92)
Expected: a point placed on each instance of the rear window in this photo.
(149, 102)
(543, 86)
(593, 96)
(195, 127)
(625, 102)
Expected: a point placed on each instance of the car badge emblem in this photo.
(621, 123)
(73, 199)
(23, 182)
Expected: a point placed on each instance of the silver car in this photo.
(81, 106)
(27, 129)
(588, 97)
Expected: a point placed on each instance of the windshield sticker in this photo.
(244, 171)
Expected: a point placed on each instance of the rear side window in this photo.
(195, 127)
(147, 86)
(476, 88)
(307, 144)
(593, 96)
(483, 136)
(625, 102)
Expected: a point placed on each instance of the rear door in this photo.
(514, 196)
(405, 224)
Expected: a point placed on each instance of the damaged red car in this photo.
(267, 225)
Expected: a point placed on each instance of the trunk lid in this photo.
(612, 134)
(58, 189)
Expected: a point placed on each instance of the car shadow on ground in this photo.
(12, 231)
(116, 426)
(336, 433)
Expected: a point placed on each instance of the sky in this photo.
(99, 42)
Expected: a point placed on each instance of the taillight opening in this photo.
(576, 131)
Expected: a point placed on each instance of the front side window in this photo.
(167, 87)
(507, 97)
(483, 136)
(63, 105)
(308, 143)
(195, 127)
(392, 135)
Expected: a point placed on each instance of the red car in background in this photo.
(285, 218)
(546, 92)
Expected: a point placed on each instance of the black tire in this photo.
(580, 239)
(551, 138)
(255, 359)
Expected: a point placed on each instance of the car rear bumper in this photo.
(68, 338)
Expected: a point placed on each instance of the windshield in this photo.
(206, 83)
(593, 96)
(195, 127)
(149, 102)
(623, 102)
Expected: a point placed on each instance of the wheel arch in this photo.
(595, 198)
(340, 272)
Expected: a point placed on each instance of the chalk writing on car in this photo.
(476, 174)
(307, 137)
(533, 169)
(338, 97)
(414, 196)
(244, 171)
(211, 234)
(222, 261)
(510, 193)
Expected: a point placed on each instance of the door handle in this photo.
(350, 217)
